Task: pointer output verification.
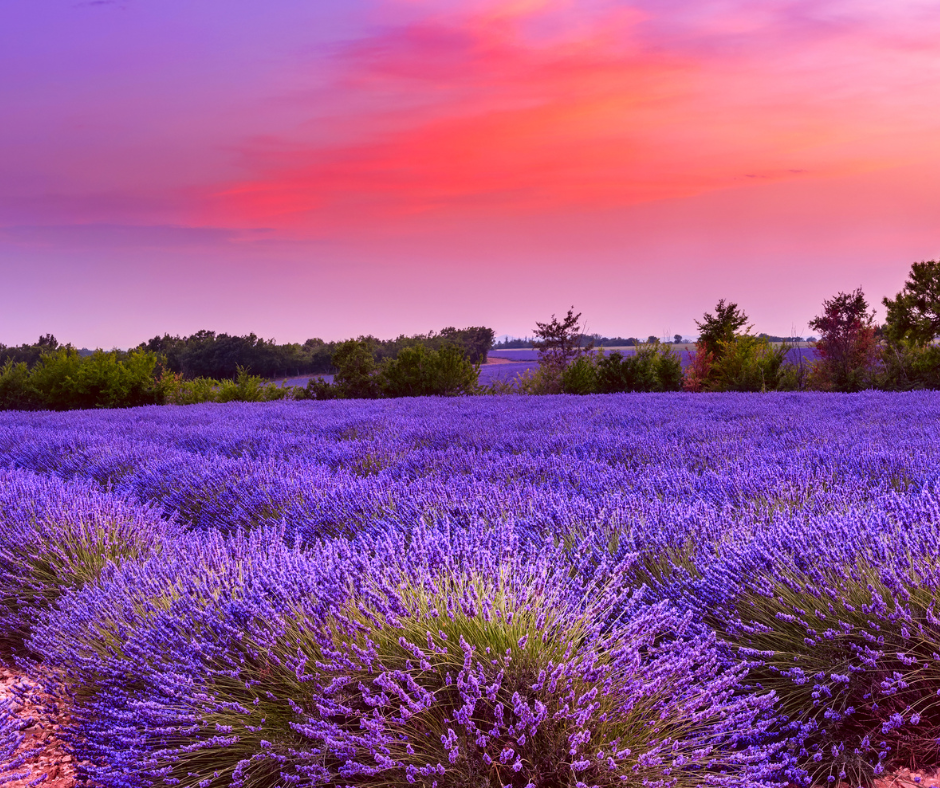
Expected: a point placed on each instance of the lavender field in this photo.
(535, 592)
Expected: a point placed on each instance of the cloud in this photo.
(539, 106)
(119, 236)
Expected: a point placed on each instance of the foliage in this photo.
(699, 371)
(653, 367)
(418, 372)
(175, 390)
(717, 330)
(746, 363)
(16, 389)
(580, 376)
(355, 371)
(847, 346)
(914, 313)
(559, 342)
(28, 354)
(62, 379)
(907, 366)
(219, 356)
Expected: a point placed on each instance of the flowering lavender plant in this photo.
(59, 536)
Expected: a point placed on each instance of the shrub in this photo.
(59, 536)
(443, 657)
(355, 371)
(64, 380)
(17, 391)
(699, 371)
(580, 376)
(654, 367)
(746, 363)
(853, 658)
(320, 389)
(544, 379)
(908, 366)
(420, 372)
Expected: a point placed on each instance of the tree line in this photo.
(852, 353)
(206, 354)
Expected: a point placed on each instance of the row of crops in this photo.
(663, 590)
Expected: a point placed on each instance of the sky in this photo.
(331, 168)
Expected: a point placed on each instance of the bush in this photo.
(441, 657)
(419, 372)
(59, 536)
(16, 388)
(746, 363)
(908, 366)
(580, 376)
(355, 371)
(852, 657)
(654, 367)
(65, 380)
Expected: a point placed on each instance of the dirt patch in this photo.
(49, 764)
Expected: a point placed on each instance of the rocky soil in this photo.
(50, 763)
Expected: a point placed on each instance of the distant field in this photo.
(526, 358)
(507, 364)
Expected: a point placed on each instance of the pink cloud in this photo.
(475, 114)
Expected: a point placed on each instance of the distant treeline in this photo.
(206, 354)
(852, 353)
(597, 340)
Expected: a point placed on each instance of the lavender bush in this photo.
(444, 657)
(59, 536)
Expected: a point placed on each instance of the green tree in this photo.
(420, 372)
(914, 313)
(355, 370)
(720, 327)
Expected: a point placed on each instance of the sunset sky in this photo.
(329, 168)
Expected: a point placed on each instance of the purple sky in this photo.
(328, 169)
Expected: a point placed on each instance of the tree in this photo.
(914, 313)
(720, 327)
(677, 339)
(355, 370)
(847, 347)
(717, 335)
(559, 341)
(419, 372)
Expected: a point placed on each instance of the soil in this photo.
(51, 764)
